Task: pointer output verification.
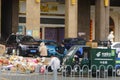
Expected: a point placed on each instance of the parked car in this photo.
(69, 42)
(24, 45)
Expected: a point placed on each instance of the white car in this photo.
(116, 45)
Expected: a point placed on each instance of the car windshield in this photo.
(116, 45)
(48, 42)
(51, 43)
(66, 41)
(74, 41)
(72, 50)
(79, 42)
(14, 39)
(27, 39)
(19, 37)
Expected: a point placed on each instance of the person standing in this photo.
(43, 49)
(61, 50)
(110, 37)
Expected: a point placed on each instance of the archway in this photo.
(111, 25)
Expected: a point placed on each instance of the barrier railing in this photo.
(66, 72)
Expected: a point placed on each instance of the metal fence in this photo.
(65, 73)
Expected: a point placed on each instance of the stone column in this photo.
(70, 19)
(15, 13)
(84, 18)
(101, 20)
(33, 18)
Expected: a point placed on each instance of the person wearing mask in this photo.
(43, 49)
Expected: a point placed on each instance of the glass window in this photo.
(27, 39)
(116, 46)
(11, 39)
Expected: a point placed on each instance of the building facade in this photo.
(59, 19)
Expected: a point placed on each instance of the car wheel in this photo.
(118, 71)
(18, 52)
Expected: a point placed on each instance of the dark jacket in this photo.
(60, 49)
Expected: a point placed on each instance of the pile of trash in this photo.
(21, 64)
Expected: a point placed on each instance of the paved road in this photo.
(37, 76)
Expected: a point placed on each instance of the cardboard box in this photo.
(92, 44)
(2, 49)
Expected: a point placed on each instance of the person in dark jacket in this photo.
(60, 49)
